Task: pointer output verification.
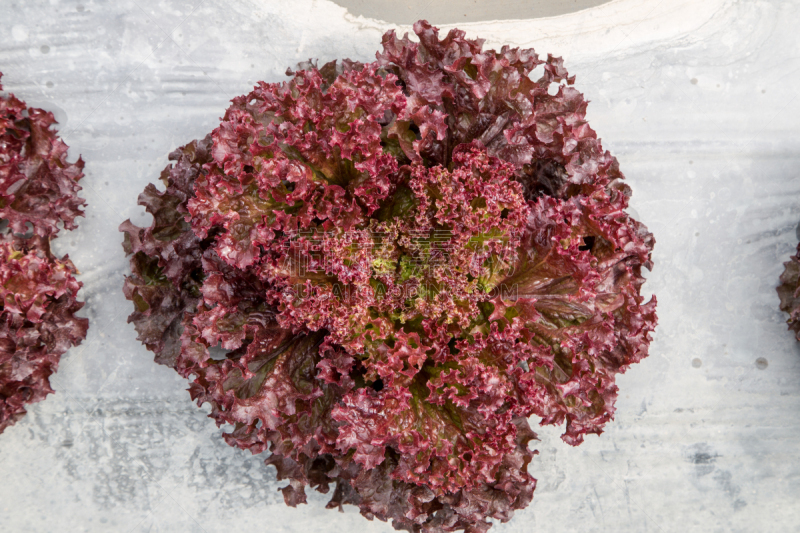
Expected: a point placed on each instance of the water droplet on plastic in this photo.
(697, 363)
(761, 363)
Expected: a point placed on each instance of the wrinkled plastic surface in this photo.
(698, 102)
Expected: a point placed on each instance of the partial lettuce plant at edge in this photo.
(402, 261)
(38, 197)
(789, 292)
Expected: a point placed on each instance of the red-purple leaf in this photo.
(789, 292)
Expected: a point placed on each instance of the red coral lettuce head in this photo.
(38, 196)
(402, 261)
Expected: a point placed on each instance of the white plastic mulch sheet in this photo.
(698, 100)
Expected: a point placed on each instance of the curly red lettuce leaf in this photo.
(789, 292)
(379, 271)
(166, 271)
(38, 290)
(38, 186)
